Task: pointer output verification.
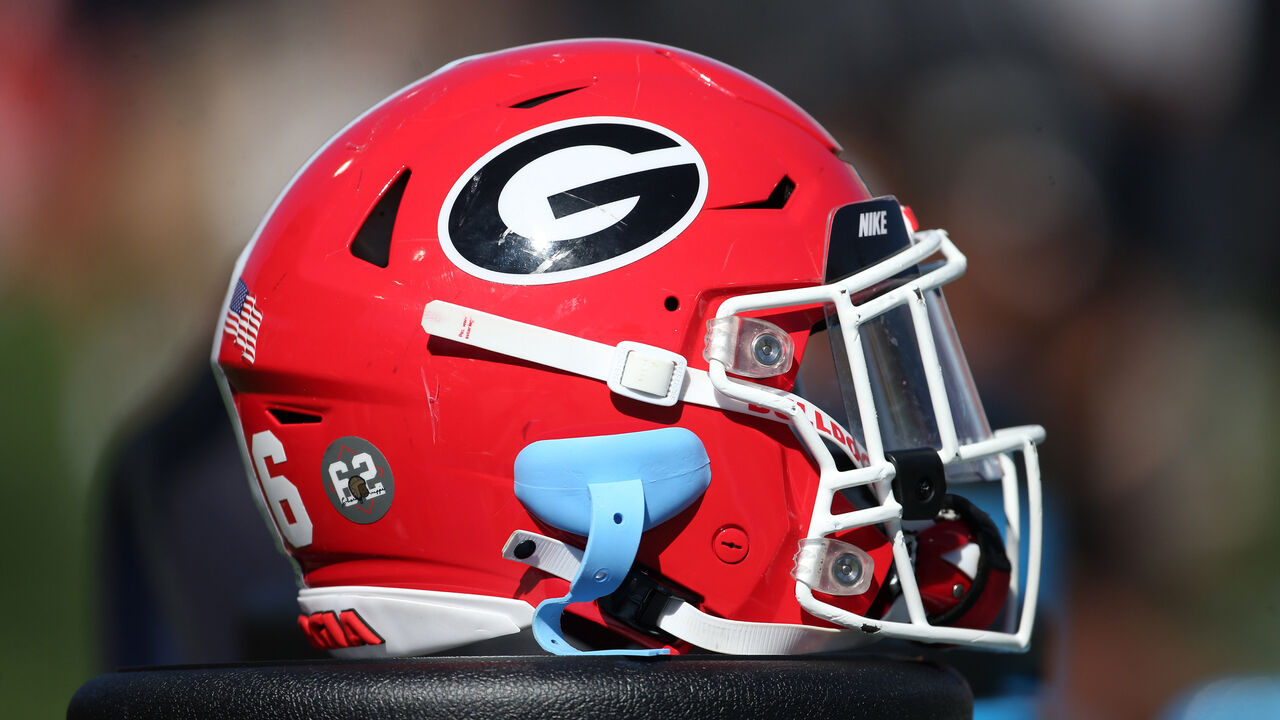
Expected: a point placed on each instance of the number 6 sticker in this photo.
(282, 497)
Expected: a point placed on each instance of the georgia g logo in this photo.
(572, 199)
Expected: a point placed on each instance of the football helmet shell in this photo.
(584, 204)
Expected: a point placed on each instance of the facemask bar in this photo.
(876, 471)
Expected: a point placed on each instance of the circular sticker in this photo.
(572, 199)
(357, 479)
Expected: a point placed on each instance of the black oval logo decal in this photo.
(572, 199)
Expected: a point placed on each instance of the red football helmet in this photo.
(609, 328)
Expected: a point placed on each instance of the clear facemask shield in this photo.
(883, 372)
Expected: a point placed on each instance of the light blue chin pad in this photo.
(610, 488)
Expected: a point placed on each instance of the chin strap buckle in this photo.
(639, 602)
(647, 373)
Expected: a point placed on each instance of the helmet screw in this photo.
(524, 549)
(957, 591)
(767, 349)
(847, 569)
(924, 489)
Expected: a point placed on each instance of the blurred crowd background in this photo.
(1111, 168)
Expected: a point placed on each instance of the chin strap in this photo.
(635, 370)
(679, 618)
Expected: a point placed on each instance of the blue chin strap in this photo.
(610, 488)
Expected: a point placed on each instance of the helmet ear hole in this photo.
(672, 303)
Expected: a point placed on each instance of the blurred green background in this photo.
(1110, 167)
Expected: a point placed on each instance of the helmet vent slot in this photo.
(285, 416)
(372, 242)
(536, 101)
(776, 201)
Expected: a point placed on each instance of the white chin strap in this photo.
(642, 372)
(682, 620)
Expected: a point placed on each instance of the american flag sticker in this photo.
(243, 321)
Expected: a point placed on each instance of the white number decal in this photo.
(282, 497)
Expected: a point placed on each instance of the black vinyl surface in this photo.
(536, 688)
